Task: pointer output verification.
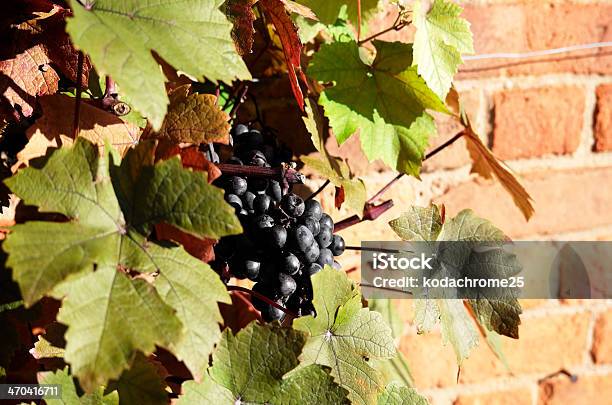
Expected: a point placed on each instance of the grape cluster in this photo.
(286, 239)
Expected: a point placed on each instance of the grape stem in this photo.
(239, 101)
(366, 249)
(371, 211)
(79, 88)
(285, 173)
(263, 298)
(313, 195)
(398, 24)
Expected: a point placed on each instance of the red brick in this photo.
(431, 363)
(602, 345)
(603, 119)
(540, 25)
(537, 122)
(593, 389)
(517, 396)
(545, 345)
(564, 201)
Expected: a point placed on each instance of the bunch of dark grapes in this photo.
(286, 240)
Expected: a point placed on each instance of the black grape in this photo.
(293, 205)
(337, 246)
(237, 185)
(325, 257)
(311, 223)
(324, 238)
(327, 221)
(261, 203)
(313, 208)
(286, 240)
(289, 264)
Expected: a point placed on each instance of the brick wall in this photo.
(551, 120)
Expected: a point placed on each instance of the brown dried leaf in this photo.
(300, 9)
(194, 118)
(27, 63)
(485, 163)
(53, 130)
(275, 12)
(240, 13)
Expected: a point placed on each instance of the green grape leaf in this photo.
(191, 35)
(385, 100)
(141, 384)
(327, 11)
(123, 316)
(330, 167)
(249, 368)
(499, 313)
(458, 329)
(395, 394)
(440, 39)
(466, 226)
(190, 286)
(387, 309)
(113, 209)
(395, 368)
(69, 391)
(343, 335)
(418, 224)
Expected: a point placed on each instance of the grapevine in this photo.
(160, 240)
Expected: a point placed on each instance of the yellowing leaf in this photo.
(440, 39)
(485, 163)
(54, 129)
(194, 118)
(332, 168)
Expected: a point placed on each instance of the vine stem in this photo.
(397, 25)
(428, 156)
(313, 195)
(239, 101)
(263, 298)
(372, 211)
(77, 103)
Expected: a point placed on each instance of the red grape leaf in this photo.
(240, 13)
(275, 12)
(191, 157)
(339, 197)
(53, 130)
(36, 48)
(240, 313)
